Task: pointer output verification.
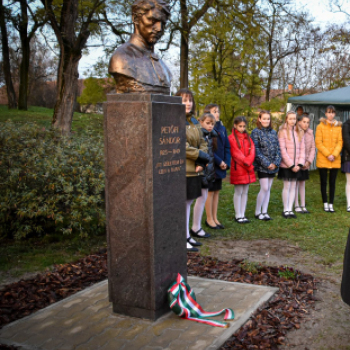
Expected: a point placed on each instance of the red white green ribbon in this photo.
(183, 302)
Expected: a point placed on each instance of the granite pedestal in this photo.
(145, 200)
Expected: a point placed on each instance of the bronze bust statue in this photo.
(134, 65)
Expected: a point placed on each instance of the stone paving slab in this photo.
(85, 321)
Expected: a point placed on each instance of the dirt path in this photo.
(328, 325)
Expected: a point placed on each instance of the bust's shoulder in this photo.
(121, 58)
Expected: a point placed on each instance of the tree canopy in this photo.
(233, 53)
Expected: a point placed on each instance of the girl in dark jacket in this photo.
(196, 160)
(267, 161)
(222, 160)
(207, 122)
(345, 159)
(242, 169)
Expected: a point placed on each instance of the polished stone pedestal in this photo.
(145, 200)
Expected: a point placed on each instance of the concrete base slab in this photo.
(85, 321)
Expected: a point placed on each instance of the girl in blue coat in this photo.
(222, 160)
(267, 161)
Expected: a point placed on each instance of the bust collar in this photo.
(139, 42)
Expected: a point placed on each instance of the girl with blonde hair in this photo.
(292, 146)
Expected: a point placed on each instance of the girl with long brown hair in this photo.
(267, 161)
(196, 160)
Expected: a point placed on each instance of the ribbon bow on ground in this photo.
(183, 302)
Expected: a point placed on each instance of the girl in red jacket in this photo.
(242, 169)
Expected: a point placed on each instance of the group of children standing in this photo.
(288, 153)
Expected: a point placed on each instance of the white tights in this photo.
(300, 189)
(240, 199)
(288, 194)
(198, 210)
(263, 198)
(347, 188)
(188, 212)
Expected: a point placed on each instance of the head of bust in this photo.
(149, 18)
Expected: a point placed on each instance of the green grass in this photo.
(319, 233)
(43, 116)
(323, 234)
(35, 255)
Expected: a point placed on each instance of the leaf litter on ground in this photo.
(266, 329)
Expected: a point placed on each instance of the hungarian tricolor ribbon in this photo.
(183, 303)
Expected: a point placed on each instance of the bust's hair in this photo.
(140, 7)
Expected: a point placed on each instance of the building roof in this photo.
(333, 97)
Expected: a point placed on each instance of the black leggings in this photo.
(332, 177)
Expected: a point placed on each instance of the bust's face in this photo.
(150, 25)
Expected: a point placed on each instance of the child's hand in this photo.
(223, 165)
(199, 169)
(271, 167)
(296, 169)
(331, 158)
(306, 166)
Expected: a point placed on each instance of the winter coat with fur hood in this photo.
(292, 146)
(329, 141)
(243, 155)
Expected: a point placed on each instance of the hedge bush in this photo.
(50, 184)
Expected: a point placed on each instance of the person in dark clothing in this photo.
(222, 161)
(345, 159)
(345, 283)
(207, 122)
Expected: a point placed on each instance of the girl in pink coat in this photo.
(292, 145)
(310, 150)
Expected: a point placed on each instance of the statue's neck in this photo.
(140, 42)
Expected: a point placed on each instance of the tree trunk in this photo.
(24, 67)
(268, 85)
(11, 94)
(67, 87)
(184, 62)
(184, 45)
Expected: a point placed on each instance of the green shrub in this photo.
(95, 90)
(50, 184)
(276, 104)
